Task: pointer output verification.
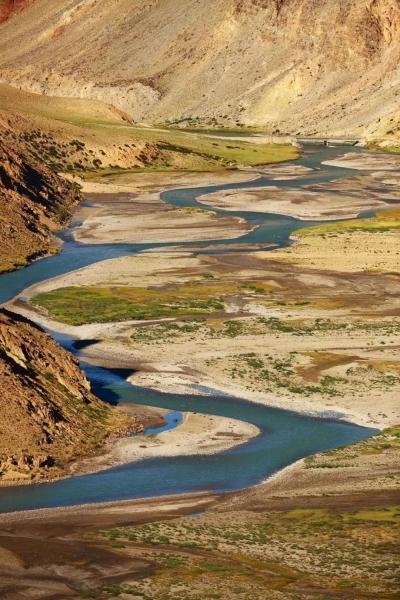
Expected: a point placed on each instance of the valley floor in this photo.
(314, 327)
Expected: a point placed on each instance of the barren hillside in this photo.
(297, 66)
(48, 415)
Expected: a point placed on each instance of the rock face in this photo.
(8, 8)
(48, 414)
(312, 67)
(34, 201)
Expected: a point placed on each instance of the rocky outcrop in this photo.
(48, 414)
(312, 67)
(34, 201)
(9, 8)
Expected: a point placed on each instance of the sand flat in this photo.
(198, 434)
(346, 253)
(131, 222)
(302, 204)
(367, 161)
(126, 208)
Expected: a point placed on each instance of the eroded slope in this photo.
(34, 201)
(48, 413)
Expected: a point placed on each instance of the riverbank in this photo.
(34, 203)
(207, 365)
(286, 547)
(198, 434)
(211, 368)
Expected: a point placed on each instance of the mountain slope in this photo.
(33, 202)
(48, 415)
(309, 66)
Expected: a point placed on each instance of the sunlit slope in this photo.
(81, 135)
(302, 66)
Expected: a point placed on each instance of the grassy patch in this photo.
(288, 552)
(385, 149)
(218, 327)
(166, 331)
(383, 221)
(303, 373)
(116, 590)
(79, 305)
(387, 440)
(235, 151)
(181, 149)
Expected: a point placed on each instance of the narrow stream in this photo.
(284, 436)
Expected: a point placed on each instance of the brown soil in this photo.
(62, 553)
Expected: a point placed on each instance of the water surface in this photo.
(285, 437)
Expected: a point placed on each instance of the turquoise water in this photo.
(284, 436)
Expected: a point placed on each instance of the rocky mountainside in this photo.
(326, 67)
(48, 415)
(34, 201)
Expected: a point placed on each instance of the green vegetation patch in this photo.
(387, 440)
(305, 373)
(383, 221)
(80, 305)
(116, 590)
(267, 373)
(394, 149)
(222, 151)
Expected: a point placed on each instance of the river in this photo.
(284, 436)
